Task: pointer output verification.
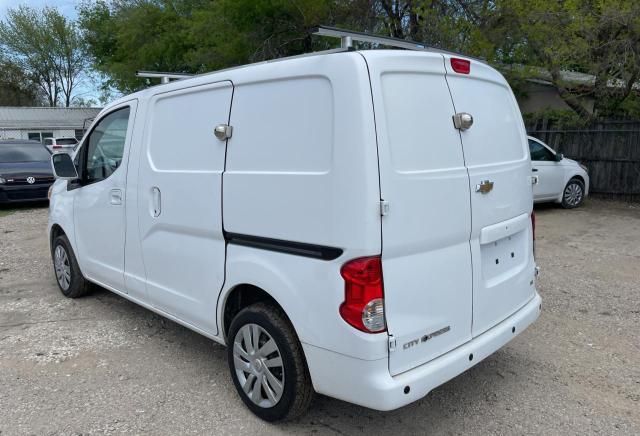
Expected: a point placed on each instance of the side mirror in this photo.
(63, 167)
(559, 157)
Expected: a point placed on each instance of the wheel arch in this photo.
(55, 231)
(243, 295)
(254, 275)
(577, 177)
(569, 176)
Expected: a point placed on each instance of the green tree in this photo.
(48, 47)
(539, 39)
(600, 38)
(195, 36)
(16, 87)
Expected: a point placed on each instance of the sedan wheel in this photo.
(573, 194)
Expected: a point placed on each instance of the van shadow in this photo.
(436, 412)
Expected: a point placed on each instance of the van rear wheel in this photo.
(68, 276)
(267, 364)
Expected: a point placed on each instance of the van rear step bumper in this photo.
(369, 384)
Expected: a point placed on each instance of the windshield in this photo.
(23, 153)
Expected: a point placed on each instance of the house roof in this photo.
(45, 117)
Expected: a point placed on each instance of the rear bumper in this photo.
(369, 383)
(22, 193)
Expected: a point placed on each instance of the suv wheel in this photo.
(573, 194)
(70, 280)
(267, 364)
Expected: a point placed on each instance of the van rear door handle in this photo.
(535, 170)
(115, 197)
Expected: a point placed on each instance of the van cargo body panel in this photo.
(426, 260)
(496, 155)
(302, 163)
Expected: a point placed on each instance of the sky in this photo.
(67, 7)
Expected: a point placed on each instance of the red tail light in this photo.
(56, 146)
(461, 66)
(363, 306)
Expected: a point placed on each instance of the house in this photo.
(539, 93)
(37, 123)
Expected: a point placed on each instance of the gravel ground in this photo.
(101, 364)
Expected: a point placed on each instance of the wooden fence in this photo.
(609, 148)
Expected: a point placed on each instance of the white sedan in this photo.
(560, 180)
(55, 145)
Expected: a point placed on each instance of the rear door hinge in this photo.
(384, 207)
(392, 343)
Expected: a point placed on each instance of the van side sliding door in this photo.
(179, 201)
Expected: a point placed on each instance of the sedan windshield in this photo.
(23, 153)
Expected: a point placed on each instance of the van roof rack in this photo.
(348, 36)
(164, 77)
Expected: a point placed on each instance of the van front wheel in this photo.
(267, 364)
(70, 280)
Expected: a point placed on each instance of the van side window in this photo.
(539, 151)
(105, 146)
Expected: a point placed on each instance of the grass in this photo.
(5, 212)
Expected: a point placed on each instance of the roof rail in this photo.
(164, 77)
(348, 36)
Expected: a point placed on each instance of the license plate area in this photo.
(504, 258)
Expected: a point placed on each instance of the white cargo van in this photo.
(357, 224)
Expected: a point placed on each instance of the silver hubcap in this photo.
(258, 364)
(62, 267)
(573, 194)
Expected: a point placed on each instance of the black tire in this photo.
(297, 391)
(573, 194)
(77, 284)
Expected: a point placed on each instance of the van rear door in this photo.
(426, 261)
(496, 156)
